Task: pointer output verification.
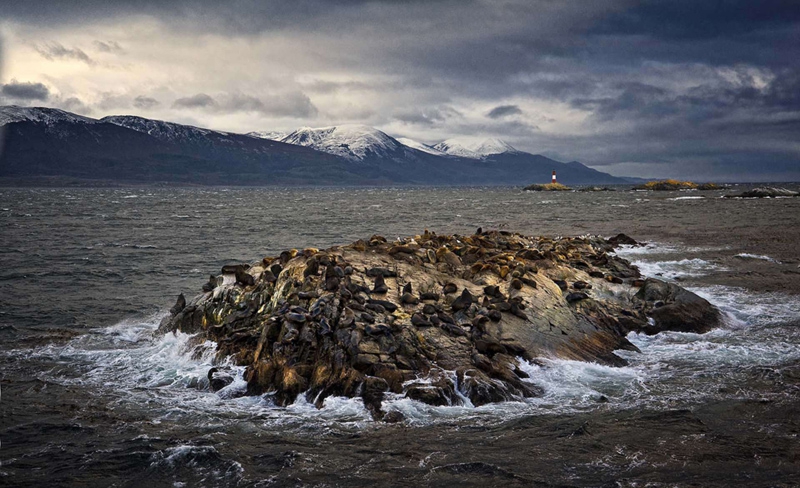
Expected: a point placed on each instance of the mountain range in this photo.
(39, 143)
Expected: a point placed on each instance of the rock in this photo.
(621, 239)
(299, 329)
(765, 192)
(676, 309)
(667, 185)
(548, 187)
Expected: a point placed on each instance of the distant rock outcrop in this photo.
(548, 187)
(441, 319)
(668, 185)
(765, 192)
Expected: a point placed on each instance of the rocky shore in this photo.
(443, 319)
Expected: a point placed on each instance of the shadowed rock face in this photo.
(437, 318)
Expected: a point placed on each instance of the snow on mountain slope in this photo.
(272, 135)
(470, 148)
(166, 131)
(419, 146)
(48, 116)
(354, 142)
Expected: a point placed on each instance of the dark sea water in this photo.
(91, 398)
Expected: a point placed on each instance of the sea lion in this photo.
(380, 285)
(463, 302)
(180, 304)
(243, 278)
(212, 283)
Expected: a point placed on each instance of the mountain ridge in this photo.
(41, 142)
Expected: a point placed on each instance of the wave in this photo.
(762, 257)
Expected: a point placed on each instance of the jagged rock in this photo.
(676, 309)
(485, 302)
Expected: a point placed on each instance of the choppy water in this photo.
(91, 398)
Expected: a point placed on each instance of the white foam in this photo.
(687, 198)
(168, 373)
(677, 269)
(762, 257)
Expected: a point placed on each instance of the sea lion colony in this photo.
(437, 318)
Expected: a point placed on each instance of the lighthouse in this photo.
(554, 177)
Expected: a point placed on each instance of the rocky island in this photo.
(443, 319)
(765, 192)
(674, 185)
(547, 187)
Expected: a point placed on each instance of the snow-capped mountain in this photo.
(353, 142)
(467, 148)
(47, 116)
(272, 135)
(47, 143)
(419, 146)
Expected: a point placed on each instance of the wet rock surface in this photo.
(442, 319)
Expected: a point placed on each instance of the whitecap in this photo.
(762, 257)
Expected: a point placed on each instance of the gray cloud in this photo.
(108, 47)
(200, 100)
(74, 104)
(145, 102)
(25, 91)
(504, 111)
(292, 104)
(428, 116)
(54, 50)
(650, 86)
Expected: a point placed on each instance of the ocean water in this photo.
(90, 397)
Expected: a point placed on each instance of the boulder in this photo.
(673, 308)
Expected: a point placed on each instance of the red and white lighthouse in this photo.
(554, 176)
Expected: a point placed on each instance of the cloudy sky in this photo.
(673, 88)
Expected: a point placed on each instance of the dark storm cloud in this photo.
(504, 111)
(145, 102)
(25, 91)
(54, 50)
(666, 83)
